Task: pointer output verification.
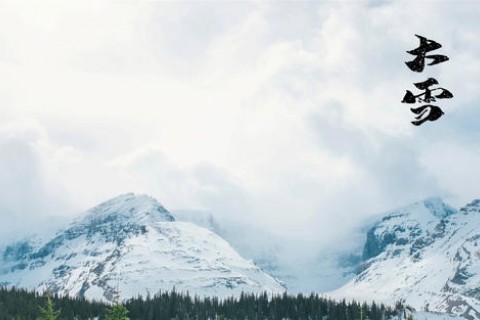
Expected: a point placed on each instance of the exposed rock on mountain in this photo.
(133, 244)
(427, 254)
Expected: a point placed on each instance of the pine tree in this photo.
(49, 312)
(362, 313)
(117, 312)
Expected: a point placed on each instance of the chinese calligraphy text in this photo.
(427, 112)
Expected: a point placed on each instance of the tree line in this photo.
(21, 304)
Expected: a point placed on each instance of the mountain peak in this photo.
(119, 218)
(131, 245)
(472, 207)
(130, 206)
(408, 229)
(425, 254)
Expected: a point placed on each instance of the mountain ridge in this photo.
(426, 254)
(131, 242)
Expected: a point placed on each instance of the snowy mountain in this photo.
(427, 254)
(133, 245)
(260, 247)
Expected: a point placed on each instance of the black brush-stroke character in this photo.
(427, 94)
(427, 112)
(426, 46)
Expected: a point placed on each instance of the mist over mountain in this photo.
(303, 266)
(426, 254)
(131, 245)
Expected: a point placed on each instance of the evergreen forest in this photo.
(20, 304)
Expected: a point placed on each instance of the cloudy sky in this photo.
(287, 114)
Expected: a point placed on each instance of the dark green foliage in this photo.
(117, 312)
(171, 305)
(20, 304)
(24, 305)
(48, 312)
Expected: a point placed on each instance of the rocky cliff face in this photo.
(427, 254)
(413, 227)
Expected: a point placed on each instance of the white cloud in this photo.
(284, 112)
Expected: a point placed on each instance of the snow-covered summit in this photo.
(129, 207)
(134, 244)
(407, 229)
(117, 219)
(427, 254)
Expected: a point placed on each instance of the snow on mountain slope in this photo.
(424, 315)
(134, 244)
(260, 246)
(428, 255)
